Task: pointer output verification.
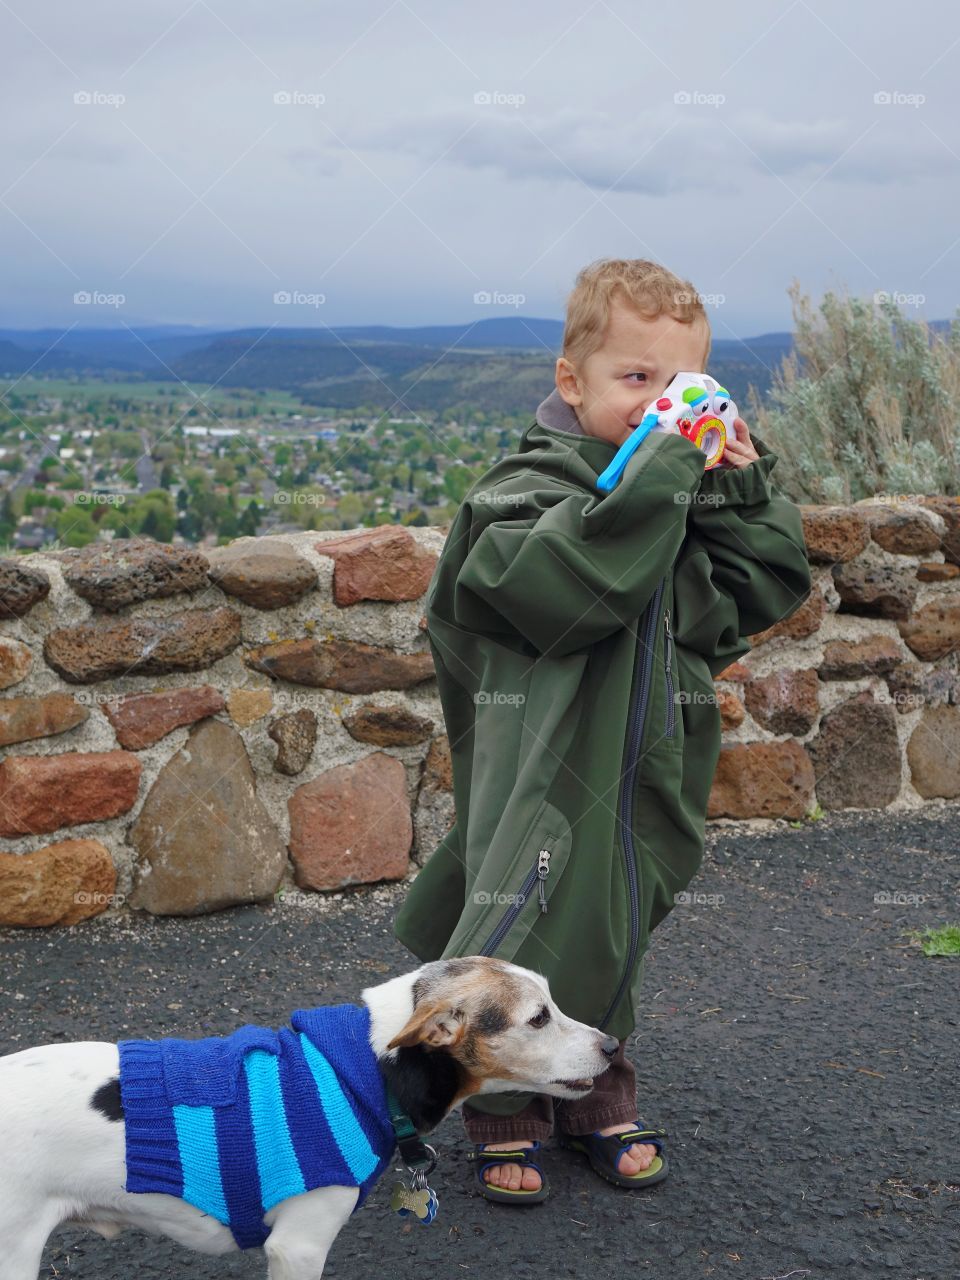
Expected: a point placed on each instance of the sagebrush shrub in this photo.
(867, 403)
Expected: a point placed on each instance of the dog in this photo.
(438, 1035)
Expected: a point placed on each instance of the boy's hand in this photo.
(739, 452)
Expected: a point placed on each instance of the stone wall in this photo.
(186, 732)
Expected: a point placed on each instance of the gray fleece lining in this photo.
(556, 413)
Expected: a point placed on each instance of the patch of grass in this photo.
(221, 398)
(939, 942)
(815, 814)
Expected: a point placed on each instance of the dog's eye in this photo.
(540, 1019)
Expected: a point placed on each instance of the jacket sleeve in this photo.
(750, 538)
(588, 564)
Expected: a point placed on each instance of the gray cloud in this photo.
(661, 152)
(400, 197)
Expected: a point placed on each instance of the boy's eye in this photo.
(636, 375)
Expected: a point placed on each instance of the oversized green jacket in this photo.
(576, 635)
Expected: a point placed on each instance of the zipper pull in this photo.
(543, 869)
(669, 640)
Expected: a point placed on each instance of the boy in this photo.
(576, 635)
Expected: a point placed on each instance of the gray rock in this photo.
(267, 574)
(296, 736)
(98, 650)
(113, 574)
(204, 840)
(20, 588)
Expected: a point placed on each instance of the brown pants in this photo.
(612, 1100)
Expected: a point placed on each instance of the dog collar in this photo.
(414, 1152)
(419, 1160)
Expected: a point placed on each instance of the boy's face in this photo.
(630, 370)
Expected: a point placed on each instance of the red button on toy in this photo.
(664, 403)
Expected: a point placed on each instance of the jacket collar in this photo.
(555, 413)
(562, 444)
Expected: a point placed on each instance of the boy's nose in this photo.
(609, 1046)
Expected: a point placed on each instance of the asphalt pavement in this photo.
(795, 1042)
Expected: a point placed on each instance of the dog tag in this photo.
(421, 1202)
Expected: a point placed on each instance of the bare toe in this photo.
(511, 1176)
(637, 1157)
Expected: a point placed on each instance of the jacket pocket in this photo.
(672, 720)
(504, 914)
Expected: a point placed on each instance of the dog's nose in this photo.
(609, 1046)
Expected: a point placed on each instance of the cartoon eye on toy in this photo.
(695, 398)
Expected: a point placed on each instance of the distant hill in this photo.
(502, 363)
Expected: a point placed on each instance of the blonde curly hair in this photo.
(647, 286)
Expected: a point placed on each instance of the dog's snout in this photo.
(609, 1046)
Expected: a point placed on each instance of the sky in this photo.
(411, 161)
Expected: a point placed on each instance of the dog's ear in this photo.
(436, 1025)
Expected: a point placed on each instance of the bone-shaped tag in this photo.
(422, 1203)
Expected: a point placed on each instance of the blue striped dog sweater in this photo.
(235, 1124)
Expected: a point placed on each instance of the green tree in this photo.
(152, 515)
(8, 518)
(249, 521)
(350, 510)
(75, 527)
(456, 481)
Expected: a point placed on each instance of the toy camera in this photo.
(693, 405)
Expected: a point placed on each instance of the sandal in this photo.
(484, 1158)
(604, 1155)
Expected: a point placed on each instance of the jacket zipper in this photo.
(668, 651)
(535, 876)
(643, 664)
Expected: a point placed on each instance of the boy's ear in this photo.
(436, 1025)
(568, 383)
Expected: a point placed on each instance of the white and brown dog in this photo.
(446, 1031)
